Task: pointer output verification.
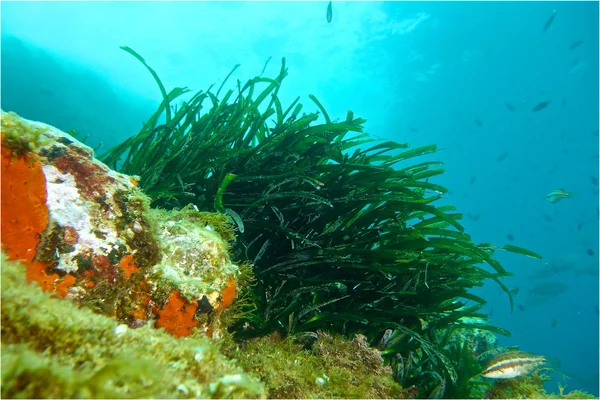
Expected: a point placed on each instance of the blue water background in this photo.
(419, 72)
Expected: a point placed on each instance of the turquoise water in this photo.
(466, 76)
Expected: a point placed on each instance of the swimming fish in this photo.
(502, 156)
(550, 20)
(549, 289)
(547, 217)
(575, 44)
(385, 339)
(473, 217)
(510, 106)
(549, 270)
(590, 269)
(541, 106)
(329, 12)
(512, 365)
(557, 195)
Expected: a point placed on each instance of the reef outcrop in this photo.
(87, 233)
(51, 348)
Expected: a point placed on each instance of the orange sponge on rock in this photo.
(24, 210)
(178, 315)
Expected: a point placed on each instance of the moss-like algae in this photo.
(332, 367)
(22, 139)
(52, 348)
(531, 387)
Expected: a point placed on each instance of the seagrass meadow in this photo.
(342, 230)
(346, 278)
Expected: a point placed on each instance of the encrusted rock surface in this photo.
(87, 233)
(51, 348)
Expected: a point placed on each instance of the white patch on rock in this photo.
(68, 209)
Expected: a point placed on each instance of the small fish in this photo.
(557, 195)
(512, 365)
(385, 339)
(550, 20)
(548, 289)
(510, 237)
(521, 307)
(479, 123)
(554, 323)
(510, 107)
(413, 129)
(559, 264)
(46, 91)
(590, 252)
(472, 181)
(575, 44)
(329, 12)
(547, 217)
(594, 180)
(540, 106)
(502, 156)
(473, 217)
(590, 270)
(580, 225)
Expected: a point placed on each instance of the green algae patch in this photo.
(531, 387)
(20, 138)
(323, 366)
(52, 348)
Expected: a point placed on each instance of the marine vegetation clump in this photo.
(51, 348)
(343, 230)
(330, 367)
(21, 139)
(531, 387)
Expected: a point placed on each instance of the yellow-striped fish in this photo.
(512, 365)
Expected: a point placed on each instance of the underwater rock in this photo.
(87, 233)
(51, 348)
